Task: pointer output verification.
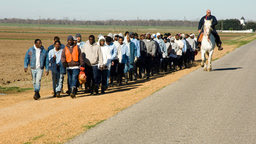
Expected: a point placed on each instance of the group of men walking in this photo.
(119, 57)
(111, 58)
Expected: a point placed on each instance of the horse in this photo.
(207, 45)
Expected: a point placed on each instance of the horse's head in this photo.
(207, 27)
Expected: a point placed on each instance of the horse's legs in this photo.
(209, 68)
(205, 64)
(203, 57)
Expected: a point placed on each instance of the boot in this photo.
(92, 88)
(96, 89)
(58, 95)
(111, 81)
(126, 78)
(220, 47)
(73, 92)
(103, 89)
(68, 92)
(131, 75)
(135, 75)
(148, 75)
(119, 80)
(36, 96)
(54, 95)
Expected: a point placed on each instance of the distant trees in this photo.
(250, 25)
(228, 24)
(234, 24)
(66, 21)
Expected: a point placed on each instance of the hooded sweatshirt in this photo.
(91, 53)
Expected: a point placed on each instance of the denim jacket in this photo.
(30, 58)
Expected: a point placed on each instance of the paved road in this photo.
(217, 107)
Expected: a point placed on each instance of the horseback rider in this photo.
(208, 16)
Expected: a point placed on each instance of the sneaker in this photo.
(220, 48)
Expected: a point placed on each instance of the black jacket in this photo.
(158, 50)
(143, 49)
(211, 17)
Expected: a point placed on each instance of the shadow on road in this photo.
(225, 69)
(124, 87)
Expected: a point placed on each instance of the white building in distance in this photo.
(242, 21)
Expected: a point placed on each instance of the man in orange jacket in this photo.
(72, 59)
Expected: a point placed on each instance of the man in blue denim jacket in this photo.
(37, 58)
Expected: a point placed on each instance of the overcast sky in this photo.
(127, 9)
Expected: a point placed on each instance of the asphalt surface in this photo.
(217, 107)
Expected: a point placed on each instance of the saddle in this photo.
(200, 37)
(199, 40)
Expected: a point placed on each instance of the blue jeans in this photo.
(108, 75)
(103, 77)
(57, 81)
(37, 76)
(72, 78)
(95, 71)
(126, 68)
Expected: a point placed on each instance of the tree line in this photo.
(228, 24)
(234, 24)
(177, 23)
